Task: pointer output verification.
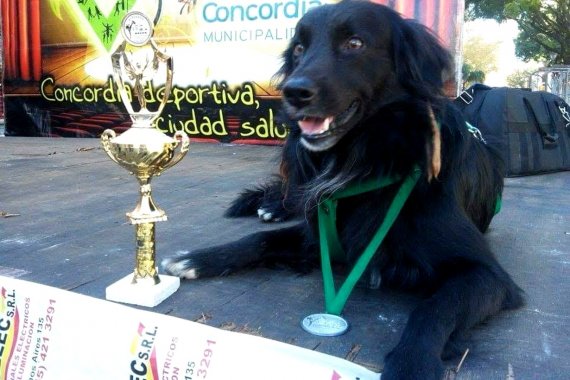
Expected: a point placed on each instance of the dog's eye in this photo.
(354, 43)
(298, 49)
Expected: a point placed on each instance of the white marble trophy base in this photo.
(144, 292)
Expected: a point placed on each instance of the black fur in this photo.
(379, 75)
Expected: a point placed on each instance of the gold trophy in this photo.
(145, 152)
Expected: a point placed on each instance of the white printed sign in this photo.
(52, 334)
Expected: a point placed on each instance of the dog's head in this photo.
(348, 60)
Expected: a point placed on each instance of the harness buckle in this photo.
(466, 97)
(475, 132)
(565, 115)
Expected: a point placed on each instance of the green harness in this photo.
(330, 243)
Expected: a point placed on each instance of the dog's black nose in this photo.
(299, 92)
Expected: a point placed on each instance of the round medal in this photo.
(323, 324)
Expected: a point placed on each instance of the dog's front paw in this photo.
(272, 213)
(410, 363)
(267, 201)
(193, 265)
(180, 266)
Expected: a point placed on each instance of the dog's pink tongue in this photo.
(315, 125)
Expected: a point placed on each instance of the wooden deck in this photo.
(63, 202)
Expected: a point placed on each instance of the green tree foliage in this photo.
(471, 76)
(481, 54)
(544, 25)
(520, 78)
(480, 57)
(485, 9)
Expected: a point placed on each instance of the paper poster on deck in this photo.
(51, 334)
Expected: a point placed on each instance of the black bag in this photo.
(530, 128)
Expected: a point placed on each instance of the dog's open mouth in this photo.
(315, 127)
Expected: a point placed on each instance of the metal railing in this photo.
(554, 79)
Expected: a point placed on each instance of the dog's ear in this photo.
(421, 63)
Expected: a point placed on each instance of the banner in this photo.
(226, 52)
(47, 333)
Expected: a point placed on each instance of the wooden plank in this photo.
(56, 57)
(72, 71)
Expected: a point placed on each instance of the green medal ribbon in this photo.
(330, 243)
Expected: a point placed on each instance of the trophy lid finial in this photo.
(137, 29)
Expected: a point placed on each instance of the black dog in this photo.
(364, 87)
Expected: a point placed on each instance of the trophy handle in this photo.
(168, 61)
(106, 137)
(117, 76)
(180, 149)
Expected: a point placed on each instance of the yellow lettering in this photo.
(248, 96)
(284, 129)
(158, 123)
(148, 93)
(77, 97)
(203, 90)
(59, 95)
(190, 126)
(89, 95)
(160, 94)
(265, 128)
(219, 126)
(194, 123)
(68, 93)
(109, 93)
(262, 128)
(178, 97)
(43, 85)
(250, 130)
(214, 92)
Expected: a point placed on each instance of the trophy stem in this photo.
(146, 210)
(146, 254)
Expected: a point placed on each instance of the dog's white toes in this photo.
(190, 274)
(182, 268)
(264, 215)
(267, 217)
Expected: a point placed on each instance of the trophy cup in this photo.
(145, 152)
